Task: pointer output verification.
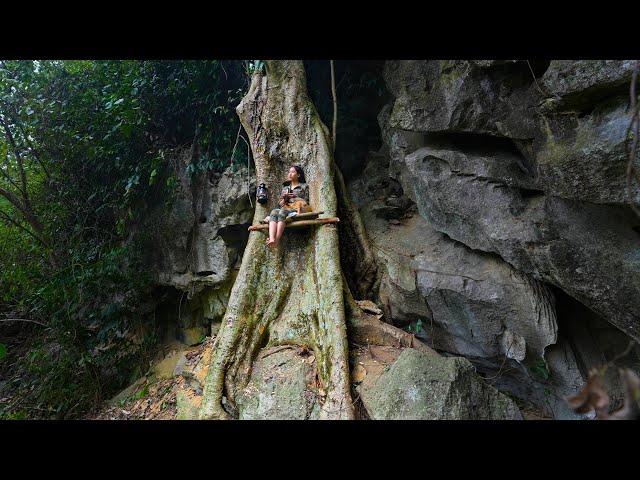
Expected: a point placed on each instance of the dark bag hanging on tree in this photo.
(261, 194)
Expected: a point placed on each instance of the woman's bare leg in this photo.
(272, 233)
(279, 230)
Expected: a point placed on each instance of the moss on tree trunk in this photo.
(292, 295)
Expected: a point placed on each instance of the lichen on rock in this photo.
(423, 387)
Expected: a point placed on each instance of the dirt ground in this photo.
(153, 397)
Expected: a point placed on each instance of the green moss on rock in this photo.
(423, 387)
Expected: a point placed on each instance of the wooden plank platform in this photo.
(301, 216)
(301, 223)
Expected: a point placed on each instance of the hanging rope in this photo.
(534, 77)
(233, 151)
(335, 105)
(248, 168)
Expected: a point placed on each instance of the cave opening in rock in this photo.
(178, 318)
(205, 273)
(169, 314)
(595, 342)
(235, 237)
(529, 193)
(539, 67)
(472, 142)
(361, 93)
(483, 145)
(166, 312)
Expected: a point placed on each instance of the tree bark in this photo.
(292, 295)
(356, 254)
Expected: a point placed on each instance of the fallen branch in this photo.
(23, 320)
(367, 330)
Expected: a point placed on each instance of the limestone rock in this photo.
(524, 170)
(587, 250)
(199, 239)
(584, 82)
(569, 123)
(437, 96)
(584, 157)
(467, 302)
(423, 387)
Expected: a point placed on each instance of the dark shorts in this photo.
(279, 214)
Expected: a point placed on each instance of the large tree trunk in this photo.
(291, 297)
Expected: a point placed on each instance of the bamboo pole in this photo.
(300, 216)
(301, 223)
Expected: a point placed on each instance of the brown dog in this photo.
(299, 206)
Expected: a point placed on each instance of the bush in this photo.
(92, 136)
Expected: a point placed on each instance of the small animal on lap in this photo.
(294, 200)
(300, 206)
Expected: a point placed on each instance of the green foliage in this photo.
(95, 137)
(415, 327)
(253, 66)
(142, 393)
(96, 337)
(3, 351)
(540, 368)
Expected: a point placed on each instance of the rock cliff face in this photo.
(205, 229)
(497, 212)
(198, 240)
(517, 173)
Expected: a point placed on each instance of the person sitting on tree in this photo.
(294, 199)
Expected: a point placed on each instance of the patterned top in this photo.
(301, 190)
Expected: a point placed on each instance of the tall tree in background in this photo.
(22, 167)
